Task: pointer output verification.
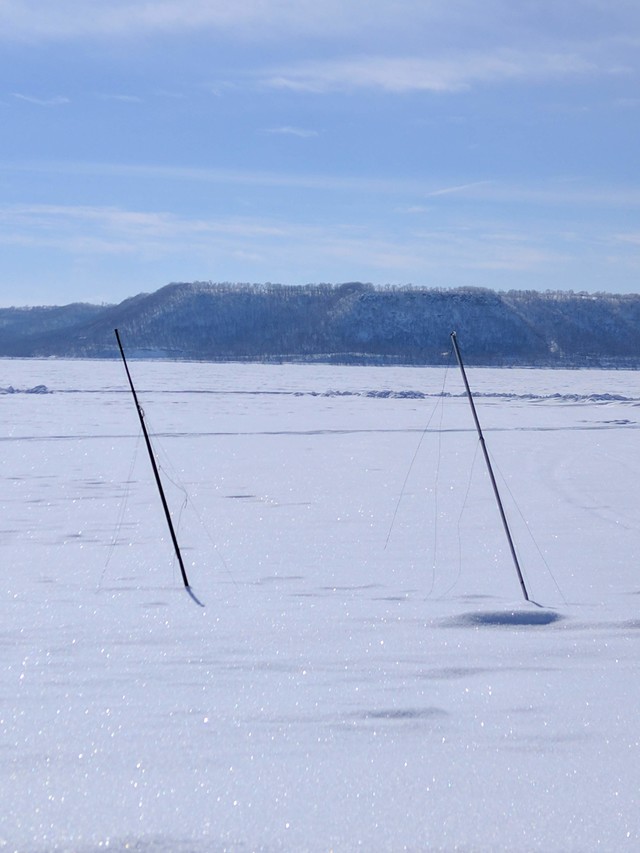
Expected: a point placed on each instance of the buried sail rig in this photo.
(156, 474)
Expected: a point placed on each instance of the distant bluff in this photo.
(346, 323)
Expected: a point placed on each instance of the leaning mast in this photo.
(156, 474)
(485, 453)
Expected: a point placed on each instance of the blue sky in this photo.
(441, 143)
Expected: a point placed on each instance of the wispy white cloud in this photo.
(222, 88)
(415, 74)
(156, 246)
(124, 99)
(413, 209)
(558, 192)
(458, 189)
(115, 231)
(631, 238)
(363, 20)
(627, 103)
(170, 95)
(577, 194)
(66, 19)
(93, 230)
(287, 130)
(238, 177)
(56, 101)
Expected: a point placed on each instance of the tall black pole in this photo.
(154, 465)
(489, 467)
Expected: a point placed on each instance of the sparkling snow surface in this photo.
(365, 674)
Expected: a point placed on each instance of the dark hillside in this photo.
(352, 323)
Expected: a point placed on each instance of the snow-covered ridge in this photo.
(497, 395)
(382, 394)
(37, 389)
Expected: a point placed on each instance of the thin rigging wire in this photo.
(439, 401)
(170, 472)
(121, 513)
(459, 523)
(528, 529)
(436, 487)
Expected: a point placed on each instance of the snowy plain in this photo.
(365, 674)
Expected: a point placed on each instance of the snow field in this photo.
(364, 675)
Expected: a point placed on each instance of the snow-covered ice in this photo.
(365, 674)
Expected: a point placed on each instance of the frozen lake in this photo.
(365, 674)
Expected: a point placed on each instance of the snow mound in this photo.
(37, 389)
(404, 714)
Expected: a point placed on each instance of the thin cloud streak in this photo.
(142, 249)
(154, 224)
(95, 230)
(238, 177)
(632, 239)
(426, 22)
(124, 99)
(56, 101)
(555, 193)
(461, 188)
(255, 19)
(287, 130)
(415, 74)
